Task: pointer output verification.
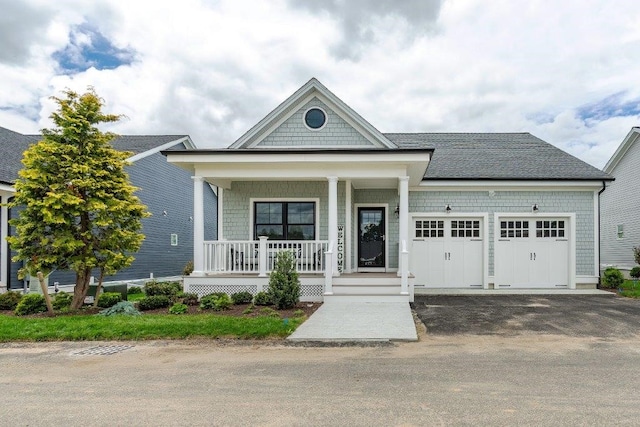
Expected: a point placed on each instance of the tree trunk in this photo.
(81, 289)
(45, 292)
(99, 288)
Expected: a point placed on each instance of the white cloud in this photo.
(213, 69)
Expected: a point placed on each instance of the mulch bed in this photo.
(235, 310)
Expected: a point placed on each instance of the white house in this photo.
(620, 205)
(371, 215)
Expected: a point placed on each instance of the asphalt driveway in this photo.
(571, 315)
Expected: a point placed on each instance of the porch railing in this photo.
(259, 256)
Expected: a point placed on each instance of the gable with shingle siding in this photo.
(336, 133)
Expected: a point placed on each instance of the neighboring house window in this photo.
(285, 220)
(620, 231)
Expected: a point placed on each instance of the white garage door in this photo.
(448, 252)
(532, 253)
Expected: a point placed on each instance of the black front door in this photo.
(371, 226)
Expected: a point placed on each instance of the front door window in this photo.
(371, 226)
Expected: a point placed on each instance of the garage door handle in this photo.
(534, 256)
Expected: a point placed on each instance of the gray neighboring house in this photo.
(429, 210)
(168, 245)
(620, 204)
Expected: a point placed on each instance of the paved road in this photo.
(441, 380)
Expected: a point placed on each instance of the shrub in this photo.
(284, 285)
(62, 301)
(124, 308)
(188, 268)
(109, 299)
(243, 297)
(269, 312)
(31, 304)
(169, 289)
(153, 302)
(134, 290)
(636, 254)
(189, 298)
(262, 298)
(217, 301)
(9, 300)
(248, 310)
(635, 272)
(178, 308)
(298, 313)
(612, 278)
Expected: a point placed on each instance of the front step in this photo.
(368, 289)
(367, 298)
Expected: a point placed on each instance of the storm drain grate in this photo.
(102, 350)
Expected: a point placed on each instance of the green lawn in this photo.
(91, 327)
(631, 289)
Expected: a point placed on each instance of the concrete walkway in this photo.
(358, 321)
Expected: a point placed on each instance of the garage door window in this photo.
(465, 228)
(429, 228)
(550, 229)
(514, 229)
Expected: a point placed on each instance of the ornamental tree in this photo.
(79, 208)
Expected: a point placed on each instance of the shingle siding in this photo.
(620, 204)
(293, 132)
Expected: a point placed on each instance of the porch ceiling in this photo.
(365, 169)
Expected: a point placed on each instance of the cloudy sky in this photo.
(567, 71)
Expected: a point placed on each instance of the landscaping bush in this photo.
(188, 268)
(189, 298)
(636, 254)
(109, 299)
(284, 284)
(635, 272)
(243, 297)
(124, 308)
(153, 302)
(217, 301)
(612, 278)
(262, 298)
(178, 308)
(9, 300)
(62, 301)
(31, 304)
(169, 289)
(134, 290)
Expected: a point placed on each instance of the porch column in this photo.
(403, 219)
(333, 220)
(4, 246)
(198, 225)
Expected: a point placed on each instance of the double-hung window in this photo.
(285, 220)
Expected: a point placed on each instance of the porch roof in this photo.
(366, 168)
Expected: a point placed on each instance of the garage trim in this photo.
(485, 230)
(570, 217)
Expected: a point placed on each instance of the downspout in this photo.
(604, 187)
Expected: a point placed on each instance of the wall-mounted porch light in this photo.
(447, 208)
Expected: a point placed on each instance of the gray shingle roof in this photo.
(509, 156)
(13, 144)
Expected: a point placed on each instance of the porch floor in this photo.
(340, 321)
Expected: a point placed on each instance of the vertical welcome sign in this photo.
(340, 248)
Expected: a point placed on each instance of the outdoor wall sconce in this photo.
(447, 208)
(397, 211)
(534, 208)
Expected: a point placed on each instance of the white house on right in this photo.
(620, 206)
